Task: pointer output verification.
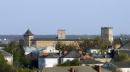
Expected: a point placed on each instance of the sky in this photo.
(84, 17)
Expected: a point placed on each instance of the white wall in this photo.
(50, 49)
(65, 59)
(9, 60)
(94, 51)
(47, 62)
(124, 69)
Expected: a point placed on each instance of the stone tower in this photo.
(61, 34)
(28, 36)
(107, 34)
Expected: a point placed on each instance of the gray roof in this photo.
(90, 61)
(123, 64)
(6, 54)
(65, 69)
(28, 33)
(72, 54)
(54, 39)
(51, 55)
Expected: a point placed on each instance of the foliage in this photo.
(18, 54)
(93, 43)
(74, 62)
(121, 57)
(117, 41)
(62, 47)
(23, 70)
(4, 67)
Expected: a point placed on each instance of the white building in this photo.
(51, 60)
(8, 57)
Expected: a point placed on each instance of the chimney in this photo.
(80, 52)
(65, 52)
(72, 70)
(98, 68)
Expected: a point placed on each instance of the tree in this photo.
(18, 54)
(121, 57)
(62, 47)
(93, 43)
(74, 62)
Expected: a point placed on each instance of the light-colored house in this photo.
(53, 59)
(50, 60)
(8, 57)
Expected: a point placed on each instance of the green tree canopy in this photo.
(121, 57)
(74, 62)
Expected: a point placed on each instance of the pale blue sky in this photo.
(76, 16)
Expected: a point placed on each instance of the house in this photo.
(91, 62)
(120, 66)
(70, 56)
(93, 50)
(75, 69)
(48, 60)
(70, 69)
(8, 57)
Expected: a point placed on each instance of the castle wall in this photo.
(45, 44)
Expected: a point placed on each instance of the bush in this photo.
(121, 57)
(74, 62)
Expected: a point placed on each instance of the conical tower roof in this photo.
(28, 33)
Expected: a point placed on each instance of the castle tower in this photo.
(107, 34)
(28, 36)
(61, 34)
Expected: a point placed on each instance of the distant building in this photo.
(28, 36)
(107, 34)
(61, 34)
(31, 41)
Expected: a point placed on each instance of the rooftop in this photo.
(54, 39)
(51, 55)
(6, 54)
(91, 61)
(124, 64)
(28, 33)
(72, 54)
(66, 69)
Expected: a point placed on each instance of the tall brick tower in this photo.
(28, 36)
(107, 34)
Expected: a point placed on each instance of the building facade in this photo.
(107, 34)
(31, 41)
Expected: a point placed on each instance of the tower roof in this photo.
(28, 33)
